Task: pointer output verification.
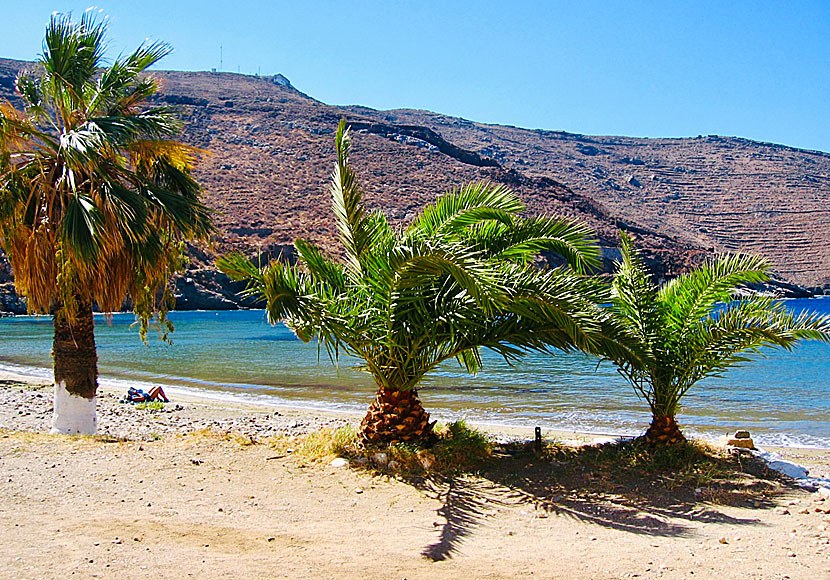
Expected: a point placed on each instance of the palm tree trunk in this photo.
(76, 371)
(396, 416)
(664, 430)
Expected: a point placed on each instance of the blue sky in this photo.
(754, 69)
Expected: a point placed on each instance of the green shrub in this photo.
(461, 448)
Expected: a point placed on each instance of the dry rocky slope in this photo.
(271, 151)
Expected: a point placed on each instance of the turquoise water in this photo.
(783, 398)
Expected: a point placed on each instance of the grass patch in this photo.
(687, 464)
(458, 449)
(689, 472)
(461, 448)
(152, 406)
(329, 443)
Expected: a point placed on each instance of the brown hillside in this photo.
(727, 193)
(271, 151)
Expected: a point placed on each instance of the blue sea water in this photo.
(783, 397)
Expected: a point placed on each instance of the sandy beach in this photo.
(207, 489)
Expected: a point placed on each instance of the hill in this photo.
(271, 152)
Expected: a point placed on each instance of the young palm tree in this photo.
(697, 326)
(457, 279)
(96, 198)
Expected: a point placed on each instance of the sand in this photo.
(202, 495)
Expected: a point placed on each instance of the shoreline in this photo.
(118, 385)
(225, 412)
(570, 393)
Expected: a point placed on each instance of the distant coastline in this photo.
(222, 294)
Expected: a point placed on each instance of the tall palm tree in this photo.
(697, 326)
(96, 198)
(459, 278)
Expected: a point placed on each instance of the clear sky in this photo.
(756, 69)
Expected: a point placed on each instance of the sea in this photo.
(782, 397)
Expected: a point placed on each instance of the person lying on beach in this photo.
(139, 396)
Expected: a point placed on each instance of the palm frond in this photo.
(635, 297)
(526, 238)
(346, 202)
(81, 227)
(72, 53)
(691, 296)
(466, 206)
(320, 267)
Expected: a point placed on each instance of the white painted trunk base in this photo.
(73, 415)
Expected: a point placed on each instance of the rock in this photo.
(10, 302)
(789, 469)
(279, 79)
(358, 490)
(361, 461)
(741, 443)
(782, 511)
(197, 295)
(726, 441)
(742, 434)
(823, 492)
(589, 150)
(393, 465)
(380, 459)
(339, 462)
(184, 100)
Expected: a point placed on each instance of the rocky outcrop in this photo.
(10, 302)
(424, 137)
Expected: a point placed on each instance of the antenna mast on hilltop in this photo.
(220, 58)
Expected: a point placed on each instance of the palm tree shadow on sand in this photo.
(581, 488)
(465, 501)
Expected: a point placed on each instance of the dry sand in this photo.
(163, 504)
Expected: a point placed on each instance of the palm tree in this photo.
(697, 326)
(459, 278)
(96, 198)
